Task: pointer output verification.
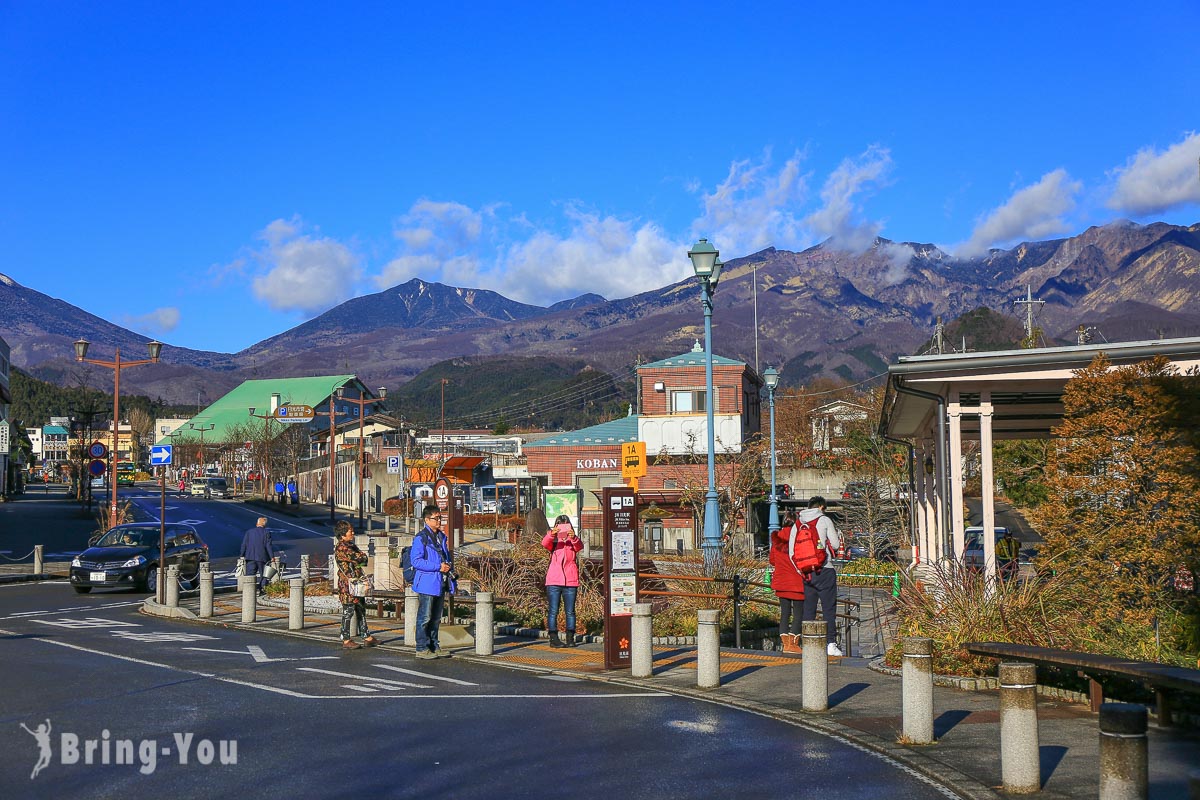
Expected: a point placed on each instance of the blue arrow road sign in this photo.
(160, 455)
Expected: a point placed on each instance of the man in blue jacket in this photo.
(257, 550)
(433, 576)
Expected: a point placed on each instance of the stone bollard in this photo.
(814, 666)
(331, 569)
(916, 673)
(411, 604)
(296, 605)
(1123, 767)
(173, 586)
(206, 590)
(641, 641)
(304, 568)
(1020, 758)
(249, 586)
(708, 649)
(485, 630)
(38, 561)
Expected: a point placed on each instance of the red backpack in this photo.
(807, 553)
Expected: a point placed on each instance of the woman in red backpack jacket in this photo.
(562, 576)
(788, 585)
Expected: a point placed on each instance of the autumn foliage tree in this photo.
(1122, 519)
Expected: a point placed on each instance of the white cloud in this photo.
(158, 321)
(753, 208)
(1033, 212)
(303, 272)
(837, 218)
(1153, 182)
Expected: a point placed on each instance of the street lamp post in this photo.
(707, 266)
(116, 365)
(266, 418)
(362, 404)
(332, 414)
(201, 430)
(444, 382)
(771, 379)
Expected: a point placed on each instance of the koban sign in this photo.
(597, 463)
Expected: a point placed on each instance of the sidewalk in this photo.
(864, 705)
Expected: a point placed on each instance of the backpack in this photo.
(807, 553)
(406, 564)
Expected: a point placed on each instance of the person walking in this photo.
(433, 576)
(823, 585)
(350, 561)
(562, 576)
(1008, 549)
(787, 582)
(258, 551)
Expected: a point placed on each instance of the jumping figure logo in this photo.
(42, 734)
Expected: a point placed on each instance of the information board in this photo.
(620, 573)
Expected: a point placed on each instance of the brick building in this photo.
(672, 421)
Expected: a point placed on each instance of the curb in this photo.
(30, 577)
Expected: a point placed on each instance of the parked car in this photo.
(860, 547)
(860, 490)
(127, 557)
(973, 547)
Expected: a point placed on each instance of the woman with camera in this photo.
(350, 561)
(562, 576)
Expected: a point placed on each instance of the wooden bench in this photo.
(1164, 679)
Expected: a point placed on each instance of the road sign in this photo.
(98, 450)
(294, 413)
(97, 467)
(633, 460)
(393, 465)
(160, 455)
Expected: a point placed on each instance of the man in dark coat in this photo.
(257, 550)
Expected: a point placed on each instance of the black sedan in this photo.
(127, 557)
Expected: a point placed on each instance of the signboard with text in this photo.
(620, 573)
(294, 412)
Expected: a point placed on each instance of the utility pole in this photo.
(1029, 304)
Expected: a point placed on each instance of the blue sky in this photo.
(213, 174)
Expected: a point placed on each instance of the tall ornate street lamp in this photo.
(362, 403)
(202, 429)
(332, 414)
(444, 382)
(707, 266)
(116, 365)
(771, 379)
(266, 449)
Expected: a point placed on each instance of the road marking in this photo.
(162, 636)
(364, 679)
(424, 675)
(259, 655)
(88, 622)
(31, 613)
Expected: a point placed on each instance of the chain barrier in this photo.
(22, 558)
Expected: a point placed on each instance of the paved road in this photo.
(312, 721)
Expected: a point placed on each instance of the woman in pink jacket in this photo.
(562, 576)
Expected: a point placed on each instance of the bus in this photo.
(126, 470)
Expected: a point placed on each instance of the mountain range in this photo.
(819, 312)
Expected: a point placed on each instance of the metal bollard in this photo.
(814, 667)
(708, 649)
(296, 605)
(1020, 758)
(916, 674)
(206, 590)
(410, 617)
(641, 641)
(249, 587)
(173, 586)
(304, 568)
(485, 631)
(1123, 768)
(38, 561)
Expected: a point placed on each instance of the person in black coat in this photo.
(258, 551)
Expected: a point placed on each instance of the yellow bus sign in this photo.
(633, 460)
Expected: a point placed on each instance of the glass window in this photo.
(688, 401)
(593, 488)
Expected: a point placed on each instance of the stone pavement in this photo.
(864, 705)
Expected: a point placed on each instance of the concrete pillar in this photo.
(916, 674)
(1020, 758)
(206, 590)
(249, 586)
(304, 568)
(410, 617)
(641, 641)
(1123, 768)
(296, 605)
(485, 631)
(38, 561)
(708, 649)
(172, 586)
(814, 667)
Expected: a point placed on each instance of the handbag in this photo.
(360, 587)
(270, 571)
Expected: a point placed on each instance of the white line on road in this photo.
(364, 678)
(259, 655)
(424, 675)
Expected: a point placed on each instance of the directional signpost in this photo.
(294, 412)
(160, 455)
